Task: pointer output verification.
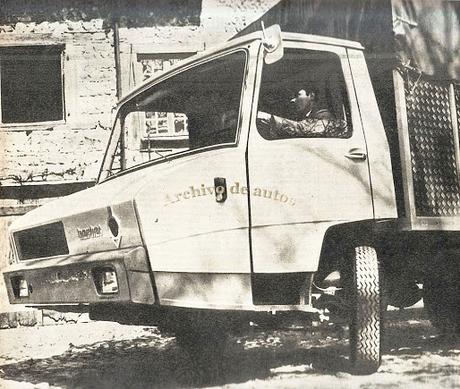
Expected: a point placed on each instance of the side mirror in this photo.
(273, 44)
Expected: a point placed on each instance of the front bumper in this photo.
(71, 280)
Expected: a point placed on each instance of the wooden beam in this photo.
(16, 210)
(40, 190)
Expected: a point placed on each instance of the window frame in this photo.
(292, 44)
(115, 136)
(29, 126)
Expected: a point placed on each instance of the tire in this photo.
(366, 312)
(441, 295)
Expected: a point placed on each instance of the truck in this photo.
(202, 222)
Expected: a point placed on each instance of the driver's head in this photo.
(305, 99)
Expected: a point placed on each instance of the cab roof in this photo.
(238, 42)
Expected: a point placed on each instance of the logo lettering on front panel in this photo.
(89, 232)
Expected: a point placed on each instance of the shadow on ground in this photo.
(152, 361)
(409, 332)
(156, 361)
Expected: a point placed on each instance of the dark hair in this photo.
(312, 89)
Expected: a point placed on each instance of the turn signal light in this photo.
(21, 288)
(105, 280)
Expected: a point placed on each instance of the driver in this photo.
(311, 118)
(307, 106)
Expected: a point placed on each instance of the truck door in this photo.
(307, 170)
(186, 141)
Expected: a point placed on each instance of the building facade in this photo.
(64, 64)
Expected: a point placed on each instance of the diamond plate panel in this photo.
(457, 104)
(431, 137)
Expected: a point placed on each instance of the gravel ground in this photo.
(109, 355)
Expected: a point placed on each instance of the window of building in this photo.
(196, 109)
(304, 96)
(168, 124)
(152, 63)
(31, 84)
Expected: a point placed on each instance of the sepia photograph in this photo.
(229, 194)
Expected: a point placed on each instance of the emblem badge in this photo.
(89, 232)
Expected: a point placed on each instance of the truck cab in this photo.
(214, 204)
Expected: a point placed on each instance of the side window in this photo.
(303, 96)
(196, 109)
(172, 125)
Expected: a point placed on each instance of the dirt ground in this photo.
(109, 355)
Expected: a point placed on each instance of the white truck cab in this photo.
(217, 203)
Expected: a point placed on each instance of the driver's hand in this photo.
(264, 123)
(263, 116)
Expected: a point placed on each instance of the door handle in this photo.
(220, 189)
(356, 154)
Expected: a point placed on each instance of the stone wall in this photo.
(222, 19)
(71, 150)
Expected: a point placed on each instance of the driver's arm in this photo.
(275, 127)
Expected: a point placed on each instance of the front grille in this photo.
(43, 241)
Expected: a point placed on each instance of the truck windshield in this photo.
(197, 109)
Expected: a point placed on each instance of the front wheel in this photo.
(365, 308)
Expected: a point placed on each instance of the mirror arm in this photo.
(272, 43)
(269, 45)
